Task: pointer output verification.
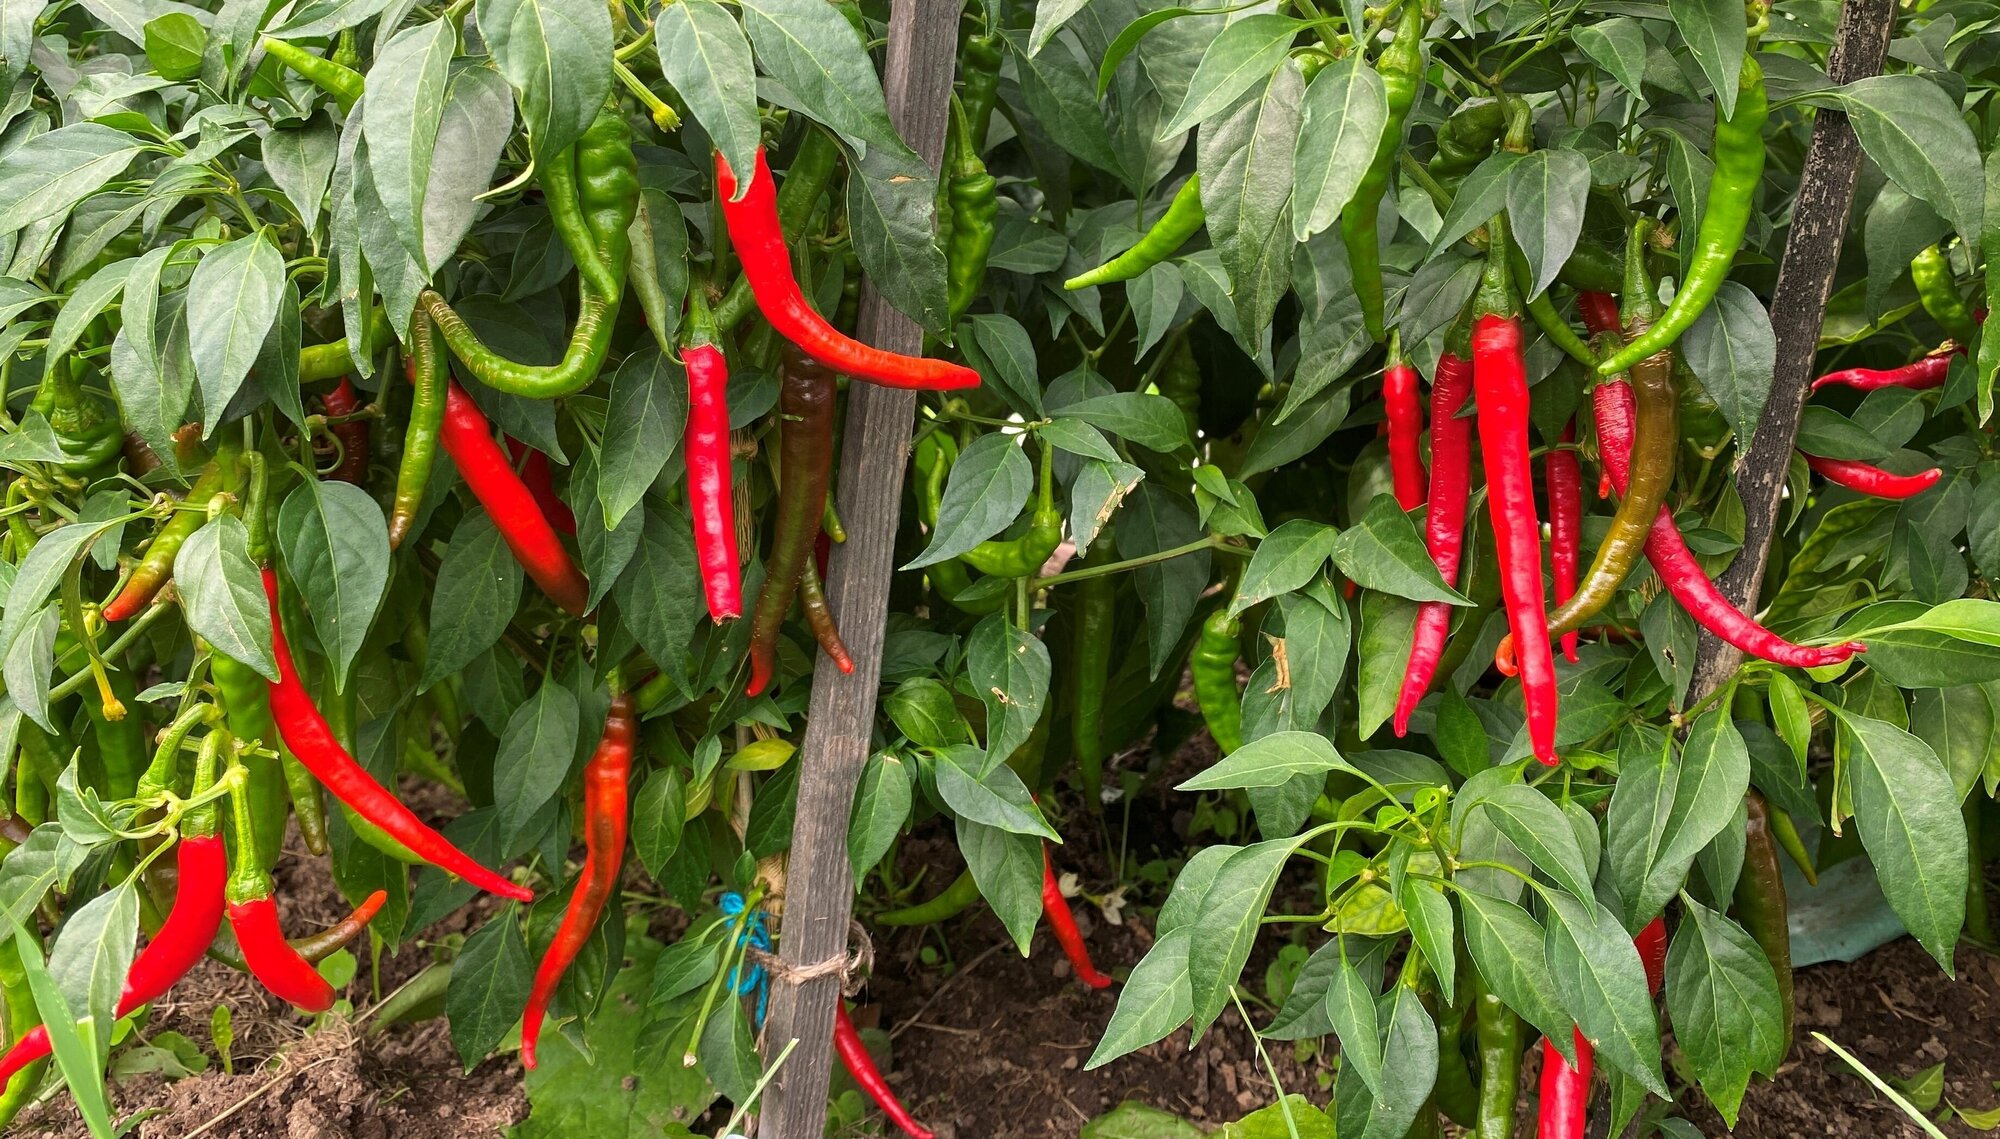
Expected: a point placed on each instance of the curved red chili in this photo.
(1565, 484)
(272, 960)
(1444, 524)
(1500, 384)
(353, 434)
(1928, 372)
(705, 447)
(1062, 923)
(759, 239)
(468, 439)
(202, 870)
(1404, 411)
(541, 482)
(1863, 478)
(604, 827)
(861, 1066)
(306, 733)
(1611, 403)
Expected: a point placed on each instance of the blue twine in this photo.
(744, 981)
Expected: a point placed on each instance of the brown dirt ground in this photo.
(993, 1045)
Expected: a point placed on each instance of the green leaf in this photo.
(1713, 32)
(1913, 131)
(1412, 1040)
(1537, 826)
(1619, 46)
(1603, 987)
(1288, 559)
(1350, 1007)
(1009, 668)
(1479, 197)
(71, 1036)
(325, 17)
(1906, 811)
(1664, 812)
(478, 117)
(1346, 110)
(151, 392)
(987, 487)
(91, 957)
(556, 55)
(1151, 421)
(821, 60)
(335, 543)
(1269, 762)
(1228, 923)
(222, 593)
(659, 816)
(232, 301)
(706, 59)
(1056, 85)
(38, 574)
(881, 807)
(996, 798)
(1005, 356)
(1732, 351)
(1135, 1120)
(891, 210)
(478, 591)
(1154, 520)
(1724, 1001)
(1156, 999)
(535, 756)
(1007, 867)
(489, 985)
(1546, 192)
(89, 299)
(1387, 624)
(642, 429)
(1244, 55)
(659, 594)
(1246, 161)
(1382, 551)
(47, 175)
(404, 108)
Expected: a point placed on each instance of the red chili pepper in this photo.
(1405, 420)
(860, 1065)
(1611, 402)
(1500, 384)
(705, 447)
(1651, 942)
(759, 239)
(1062, 923)
(1444, 524)
(271, 958)
(1928, 372)
(203, 868)
(468, 439)
(309, 737)
(1865, 479)
(604, 825)
(1565, 482)
(541, 482)
(353, 434)
(1600, 312)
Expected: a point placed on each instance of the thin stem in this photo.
(1194, 547)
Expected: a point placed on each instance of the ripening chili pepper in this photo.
(759, 239)
(189, 927)
(317, 947)
(1092, 642)
(1403, 407)
(428, 377)
(950, 902)
(1500, 386)
(540, 480)
(604, 826)
(1684, 578)
(1599, 311)
(1928, 372)
(812, 598)
(309, 737)
(1864, 478)
(352, 435)
(1498, 1031)
(1738, 151)
(1760, 903)
(1444, 524)
(1183, 219)
(975, 205)
(1937, 291)
(1565, 486)
(1062, 923)
(253, 917)
(468, 439)
(861, 1067)
(805, 439)
(1213, 666)
(336, 79)
(157, 564)
(86, 423)
(706, 449)
(1401, 65)
(1655, 452)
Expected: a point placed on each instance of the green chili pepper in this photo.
(42, 760)
(1091, 645)
(86, 423)
(337, 358)
(1402, 67)
(246, 709)
(335, 78)
(1732, 192)
(950, 903)
(1183, 219)
(980, 64)
(1024, 556)
(1786, 833)
(607, 176)
(1180, 380)
(121, 741)
(1760, 901)
(1937, 289)
(563, 198)
(1214, 669)
(975, 204)
(428, 381)
(1455, 1092)
(1499, 1035)
(1467, 137)
(1591, 268)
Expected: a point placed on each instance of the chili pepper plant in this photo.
(423, 426)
